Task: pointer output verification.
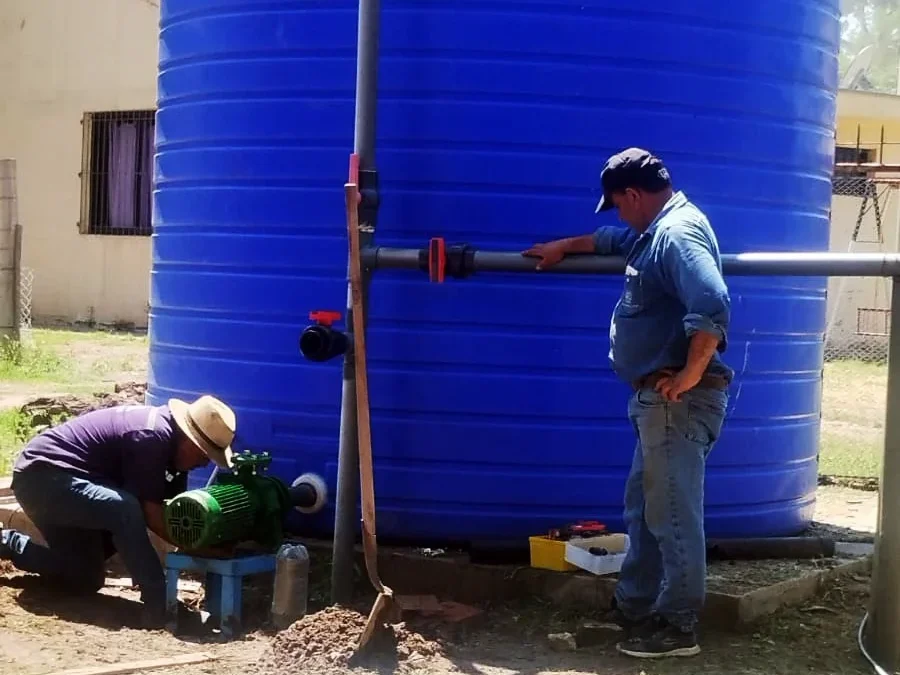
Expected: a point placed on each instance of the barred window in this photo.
(117, 172)
(873, 321)
(852, 155)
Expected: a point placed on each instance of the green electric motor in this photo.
(244, 505)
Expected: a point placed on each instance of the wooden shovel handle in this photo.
(366, 469)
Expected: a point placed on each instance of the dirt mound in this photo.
(325, 641)
(49, 411)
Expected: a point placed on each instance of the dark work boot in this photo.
(661, 641)
(153, 616)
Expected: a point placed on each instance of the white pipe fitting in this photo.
(318, 485)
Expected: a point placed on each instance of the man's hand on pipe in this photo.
(550, 253)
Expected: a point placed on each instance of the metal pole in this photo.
(741, 264)
(885, 596)
(366, 81)
(347, 493)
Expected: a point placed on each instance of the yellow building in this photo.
(873, 121)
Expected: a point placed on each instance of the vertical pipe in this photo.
(366, 82)
(347, 494)
(885, 594)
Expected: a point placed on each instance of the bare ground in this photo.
(42, 632)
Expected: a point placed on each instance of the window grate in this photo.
(117, 172)
(872, 321)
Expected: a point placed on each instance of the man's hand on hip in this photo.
(702, 347)
(674, 386)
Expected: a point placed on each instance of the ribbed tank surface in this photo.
(495, 413)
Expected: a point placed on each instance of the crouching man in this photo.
(94, 485)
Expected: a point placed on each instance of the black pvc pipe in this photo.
(347, 493)
(766, 548)
(302, 495)
(323, 343)
(742, 264)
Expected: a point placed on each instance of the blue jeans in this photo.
(664, 571)
(84, 524)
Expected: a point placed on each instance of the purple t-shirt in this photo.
(129, 447)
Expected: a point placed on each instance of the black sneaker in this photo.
(5, 551)
(665, 640)
(616, 619)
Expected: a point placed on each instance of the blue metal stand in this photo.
(222, 587)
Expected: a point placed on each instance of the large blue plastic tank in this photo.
(495, 414)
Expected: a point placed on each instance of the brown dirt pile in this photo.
(325, 642)
(46, 411)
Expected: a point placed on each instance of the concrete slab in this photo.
(452, 576)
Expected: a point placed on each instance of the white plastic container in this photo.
(577, 553)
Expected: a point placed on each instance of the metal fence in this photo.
(26, 284)
(864, 219)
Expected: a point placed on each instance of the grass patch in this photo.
(854, 396)
(30, 362)
(65, 337)
(14, 433)
(841, 456)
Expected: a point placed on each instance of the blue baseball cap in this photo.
(631, 168)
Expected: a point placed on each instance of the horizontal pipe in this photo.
(741, 264)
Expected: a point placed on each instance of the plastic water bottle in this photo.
(291, 585)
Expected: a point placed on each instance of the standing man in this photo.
(95, 484)
(666, 334)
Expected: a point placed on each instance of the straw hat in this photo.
(209, 423)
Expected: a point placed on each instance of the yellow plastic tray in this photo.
(549, 554)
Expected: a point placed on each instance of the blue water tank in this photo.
(495, 414)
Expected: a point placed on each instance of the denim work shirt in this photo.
(673, 288)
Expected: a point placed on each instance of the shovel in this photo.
(384, 608)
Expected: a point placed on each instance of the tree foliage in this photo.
(875, 23)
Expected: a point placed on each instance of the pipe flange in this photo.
(321, 489)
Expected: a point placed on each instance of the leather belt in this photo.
(708, 381)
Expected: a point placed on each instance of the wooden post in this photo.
(10, 251)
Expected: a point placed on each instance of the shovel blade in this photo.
(381, 613)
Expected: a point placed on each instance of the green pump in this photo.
(244, 505)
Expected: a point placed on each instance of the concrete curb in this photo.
(453, 577)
